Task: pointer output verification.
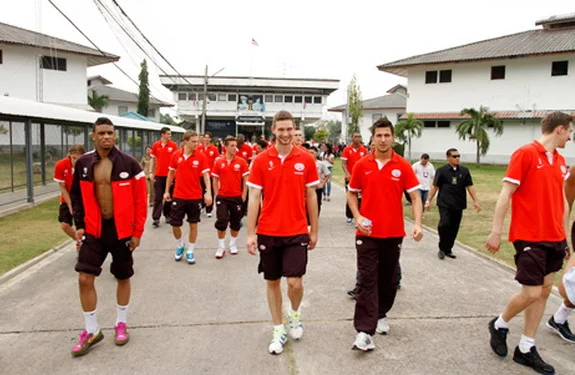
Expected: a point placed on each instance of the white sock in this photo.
(122, 314)
(280, 327)
(91, 321)
(180, 242)
(292, 312)
(526, 343)
(500, 323)
(233, 241)
(221, 243)
(562, 314)
(191, 247)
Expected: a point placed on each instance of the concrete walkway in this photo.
(212, 317)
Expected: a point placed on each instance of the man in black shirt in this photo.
(451, 180)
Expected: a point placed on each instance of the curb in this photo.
(37, 259)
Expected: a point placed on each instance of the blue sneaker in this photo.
(190, 258)
(179, 253)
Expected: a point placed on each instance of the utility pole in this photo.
(203, 124)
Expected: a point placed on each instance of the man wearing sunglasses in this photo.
(452, 180)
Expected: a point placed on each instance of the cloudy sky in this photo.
(299, 39)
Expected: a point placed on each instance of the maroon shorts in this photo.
(94, 250)
(191, 208)
(228, 210)
(535, 260)
(282, 256)
(64, 214)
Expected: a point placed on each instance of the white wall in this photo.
(113, 109)
(528, 85)
(366, 121)
(19, 70)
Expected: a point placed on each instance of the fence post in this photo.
(87, 137)
(29, 161)
(43, 152)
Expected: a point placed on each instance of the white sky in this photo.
(301, 39)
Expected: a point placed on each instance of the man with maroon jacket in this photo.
(109, 202)
(162, 151)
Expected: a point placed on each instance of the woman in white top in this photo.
(328, 157)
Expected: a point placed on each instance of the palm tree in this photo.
(98, 101)
(475, 128)
(407, 129)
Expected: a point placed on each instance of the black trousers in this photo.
(319, 194)
(348, 213)
(449, 220)
(377, 262)
(159, 205)
(208, 208)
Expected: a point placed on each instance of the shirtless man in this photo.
(109, 211)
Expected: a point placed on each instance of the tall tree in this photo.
(98, 101)
(475, 128)
(407, 129)
(144, 93)
(167, 119)
(320, 135)
(354, 106)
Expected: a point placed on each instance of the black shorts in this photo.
(94, 250)
(535, 260)
(191, 208)
(228, 210)
(64, 214)
(282, 256)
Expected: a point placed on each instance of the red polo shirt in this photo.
(537, 206)
(352, 155)
(245, 152)
(382, 192)
(211, 152)
(163, 155)
(230, 174)
(64, 172)
(189, 170)
(283, 185)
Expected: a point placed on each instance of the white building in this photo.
(121, 101)
(247, 104)
(391, 106)
(42, 68)
(519, 77)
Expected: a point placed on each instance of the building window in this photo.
(375, 117)
(182, 96)
(317, 100)
(192, 96)
(53, 63)
(443, 124)
(212, 97)
(278, 99)
(308, 99)
(559, 68)
(268, 98)
(297, 99)
(288, 99)
(222, 97)
(445, 76)
(201, 96)
(431, 76)
(232, 97)
(122, 109)
(429, 124)
(436, 124)
(152, 112)
(498, 72)
(1, 61)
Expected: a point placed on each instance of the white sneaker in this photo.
(349, 221)
(278, 341)
(363, 342)
(233, 250)
(295, 326)
(220, 253)
(209, 215)
(382, 326)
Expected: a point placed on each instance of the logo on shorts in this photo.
(127, 243)
(124, 175)
(359, 242)
(299, 167)
(218, 202)
(396, 173)
(262, 247)
(526, 248)
(173, 204)
(303, 244)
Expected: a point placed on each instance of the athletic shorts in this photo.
(228, 211)
(535, 260)
(191, 208)
(282, 256)
(94, 250)
(64, 214)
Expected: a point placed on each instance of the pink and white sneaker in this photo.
(87, 340)
(122, 336)
(220, 253)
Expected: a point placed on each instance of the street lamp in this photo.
(203, 124)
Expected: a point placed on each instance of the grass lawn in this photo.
(29, 233)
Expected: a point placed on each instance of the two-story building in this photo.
(519, 77)
(247, 104)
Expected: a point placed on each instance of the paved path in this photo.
(212, 317)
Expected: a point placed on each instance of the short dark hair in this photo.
(241, 137)
(102, 121)
(208, 134)
(381, 123)
(77, 149)
(449, 151)
(313, 148)
(228, 139)
(164, 130)
(263, 144)
(425, 156)
(553, 120)
(306, 146)
(282, 115)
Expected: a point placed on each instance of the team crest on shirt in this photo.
(195, 163)
(170, 149)
(211, 153)
(223, 165)
(124, 175)
(236, 167)
(299, 167)
(361, 153)
(272, 166)
(396, 173)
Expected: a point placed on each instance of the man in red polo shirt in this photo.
(534, 185)
(286, 177)
(211, 153)
(162, 151)
(63, 175)
(187, 166)
(351, 154)
(381, 177)
(230, 174)
(244, 150)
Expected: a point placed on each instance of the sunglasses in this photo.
(455, 156)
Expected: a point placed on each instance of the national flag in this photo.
(255, 43)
